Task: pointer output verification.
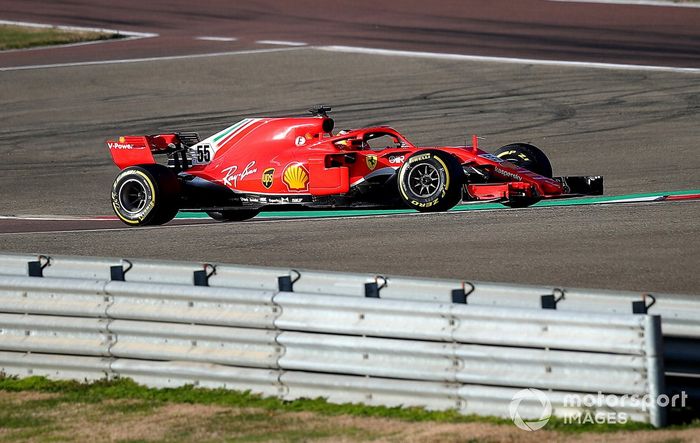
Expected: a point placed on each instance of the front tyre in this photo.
(145, 195)
(529, 157)
(430, 181)
(526, 156)
(233, 215)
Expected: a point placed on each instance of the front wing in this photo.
(573, 186)
(581, 185)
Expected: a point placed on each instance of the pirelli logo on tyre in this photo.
(268, 177)
(417, 158)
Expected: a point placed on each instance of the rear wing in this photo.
(138, 150)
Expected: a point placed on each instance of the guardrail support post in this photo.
(640, 306)
(36, 268)
(654, 349)
(460, 295)
(201, 278)
(118, 273)
(371, 290)
(550, 301)
(285, 283)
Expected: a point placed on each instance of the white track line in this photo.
(216, 39)
(247, 222)
(639, 202)
(667, 4)
(125, 228)
(280, 42)
(374, 51)
(79, 28)
(520, 61)
(146, 59)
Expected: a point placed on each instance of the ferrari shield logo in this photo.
(267, 179)
(371, 162)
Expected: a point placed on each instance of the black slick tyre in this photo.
(430, 181)
(145, 195)
(526, 156)
(529, 157)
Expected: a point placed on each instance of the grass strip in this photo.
(127, 389)
(22, 37)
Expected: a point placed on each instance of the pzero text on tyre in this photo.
(145, 195)
(430, 181)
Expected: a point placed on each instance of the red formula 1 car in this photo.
(287, 163)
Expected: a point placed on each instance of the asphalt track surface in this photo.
(637, 128)
(539, 29)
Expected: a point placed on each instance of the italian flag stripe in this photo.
(228, 130)
(239, 130)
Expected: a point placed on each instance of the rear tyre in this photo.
(529, 157)
(145, 195)
(233, 215)
(431, 181)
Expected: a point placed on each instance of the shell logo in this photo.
(296, 177)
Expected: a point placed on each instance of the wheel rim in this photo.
(424, 180)
(132, 196)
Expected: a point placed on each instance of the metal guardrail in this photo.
(347, 337)
(347, 349)
(680, 313)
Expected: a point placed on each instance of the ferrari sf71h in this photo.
(293, 162)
